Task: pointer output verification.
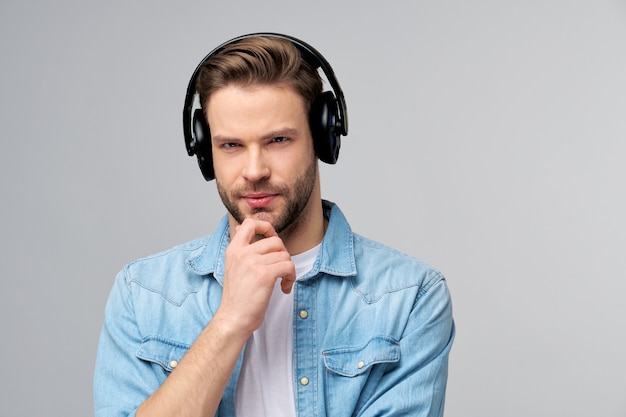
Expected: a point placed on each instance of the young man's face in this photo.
(265, 164)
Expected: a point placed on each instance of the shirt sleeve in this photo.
(417, 385)
(121, 380)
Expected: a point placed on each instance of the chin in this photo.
(263, 215)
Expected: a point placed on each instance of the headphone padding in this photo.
(324, 128)
(202, 145)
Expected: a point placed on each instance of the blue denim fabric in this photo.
(375, 340)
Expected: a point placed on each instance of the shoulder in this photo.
(382, 269)
(166, 273)
(166, 259)
(182, 258)
(372, 265)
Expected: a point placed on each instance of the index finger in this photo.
(251, 228)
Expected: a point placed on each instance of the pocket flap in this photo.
(350, 361)
(166, 353)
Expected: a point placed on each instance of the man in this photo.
(282, 310)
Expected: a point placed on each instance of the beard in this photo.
(297, 197)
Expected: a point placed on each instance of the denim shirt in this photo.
(372, 328)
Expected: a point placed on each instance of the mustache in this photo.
(260, 187)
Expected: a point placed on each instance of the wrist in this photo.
(228, 328)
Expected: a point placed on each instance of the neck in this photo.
(308, 231)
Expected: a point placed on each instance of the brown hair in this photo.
(259, 60)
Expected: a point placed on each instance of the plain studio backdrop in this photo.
(486, 138)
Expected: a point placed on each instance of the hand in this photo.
(255, 258)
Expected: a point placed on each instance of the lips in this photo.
(260, 200)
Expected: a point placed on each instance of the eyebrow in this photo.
(287, 131)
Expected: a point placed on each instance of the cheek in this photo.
(225, 168)
(292, 167)
(223, 180)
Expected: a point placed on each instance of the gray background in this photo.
(486, 137)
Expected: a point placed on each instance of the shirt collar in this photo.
(336, 255)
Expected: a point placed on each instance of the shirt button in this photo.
(361, 364)
(304, 380)
(304, 314)
(173, 364)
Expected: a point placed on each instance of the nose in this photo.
(256, 167)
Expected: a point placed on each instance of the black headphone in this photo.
(328, 117)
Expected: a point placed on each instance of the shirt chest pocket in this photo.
(353, 361)
(351, 372)
(163, 353)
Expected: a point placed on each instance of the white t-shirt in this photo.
(265, 386)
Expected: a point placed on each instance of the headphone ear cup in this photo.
(325, 129)
(202, 145)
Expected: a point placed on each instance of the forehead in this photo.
(257, 106)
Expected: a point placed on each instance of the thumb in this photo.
(286, 283)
